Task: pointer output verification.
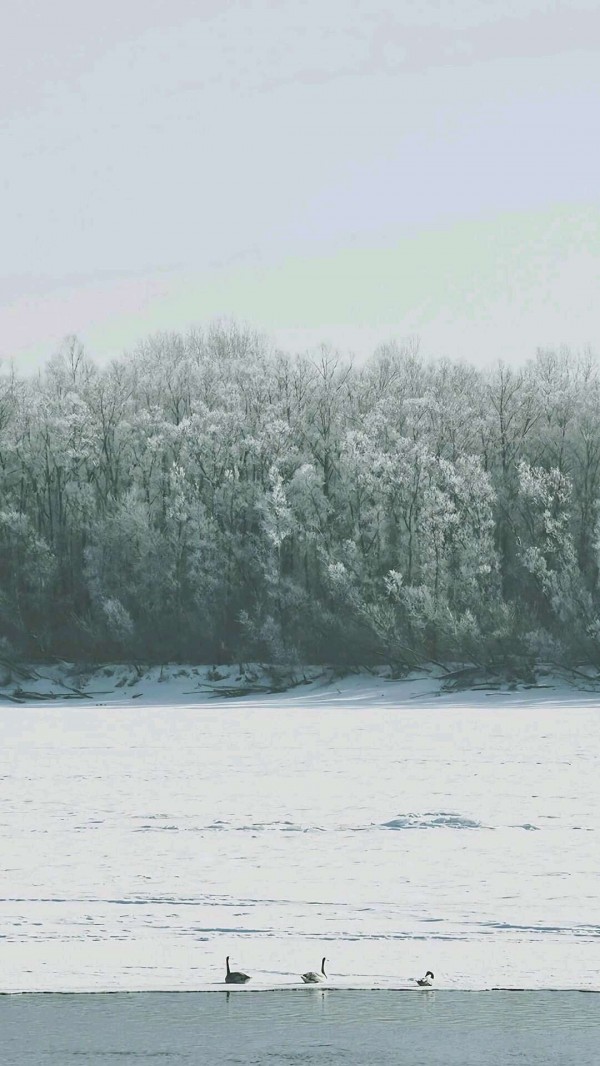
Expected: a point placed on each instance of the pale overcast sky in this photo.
(325, 170)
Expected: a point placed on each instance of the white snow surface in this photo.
(376, 823)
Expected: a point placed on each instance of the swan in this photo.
(234, 977)
(312, 978)
(427, 981)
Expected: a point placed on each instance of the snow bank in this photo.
(188, 685)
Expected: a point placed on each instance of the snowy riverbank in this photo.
(187, 685)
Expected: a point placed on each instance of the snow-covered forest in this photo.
(207, 498)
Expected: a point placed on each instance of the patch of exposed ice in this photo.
(432, 820)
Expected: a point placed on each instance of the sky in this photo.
(326, 171)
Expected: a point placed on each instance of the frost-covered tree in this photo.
(207, 497)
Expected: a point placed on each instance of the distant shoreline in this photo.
(187, 684)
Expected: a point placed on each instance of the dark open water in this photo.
(309, 1026)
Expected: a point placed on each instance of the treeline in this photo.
(206, 498)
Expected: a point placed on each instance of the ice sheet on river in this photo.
(142, 844)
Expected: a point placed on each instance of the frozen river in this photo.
(141, 845)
